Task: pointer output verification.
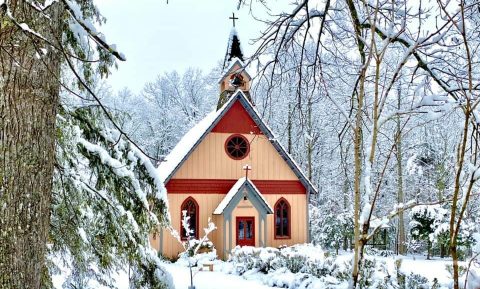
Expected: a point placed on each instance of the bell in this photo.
(237, 80)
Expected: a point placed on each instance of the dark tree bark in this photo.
(29, 93)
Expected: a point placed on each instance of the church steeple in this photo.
(234, 74)
(234, 49)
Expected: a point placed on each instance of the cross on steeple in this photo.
(247, 168)
(233, 18)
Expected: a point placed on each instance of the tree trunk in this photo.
(289, 129)
(310, 139)
(400, 198)
(28, 103)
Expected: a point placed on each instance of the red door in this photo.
(246, 231)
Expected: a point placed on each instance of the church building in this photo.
(231, 168)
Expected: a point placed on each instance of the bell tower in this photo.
(234, 74)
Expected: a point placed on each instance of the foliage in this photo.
(107, 198)
(376, 252)
(431, 224)
(306, 259)
(417, 281)
(330, 229)
(425, 221)
(374, 274)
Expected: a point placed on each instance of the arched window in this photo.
(282, 219)
(190, 206)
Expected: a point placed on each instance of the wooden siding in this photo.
(209, 161)
(237, 120)
(225, 83)
(298, 220)
(207, 204)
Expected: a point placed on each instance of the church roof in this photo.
(237, 188)
(234, 48)
(196, 134)
(230, 69)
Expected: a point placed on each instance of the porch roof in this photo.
(237, 189)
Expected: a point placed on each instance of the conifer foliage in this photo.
(107, 198)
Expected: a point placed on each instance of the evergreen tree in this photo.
(107, 198)
(36, 37)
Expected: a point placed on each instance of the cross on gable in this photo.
(233, 18)
(247, 168)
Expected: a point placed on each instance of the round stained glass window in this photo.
(237, 147)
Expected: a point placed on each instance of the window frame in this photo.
(197, 213)
(289, 220)
(246, 141)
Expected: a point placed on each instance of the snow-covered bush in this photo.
(299, 266)
(369, 250)
(473, 273)
(431, 224)
(330, 229)
(260, 259)
(374, 275)
(191, 246)
(417, 281)
(198, 259)
(427, 224)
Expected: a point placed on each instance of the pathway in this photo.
(210, 280)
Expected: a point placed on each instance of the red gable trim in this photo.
(212, 186)
(237, 120)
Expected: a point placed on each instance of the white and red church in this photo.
(231, 168)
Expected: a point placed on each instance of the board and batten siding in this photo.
(209, 161)
(207, 204)
(298, 219)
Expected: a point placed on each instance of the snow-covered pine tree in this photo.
(107, 198)
(36, 37)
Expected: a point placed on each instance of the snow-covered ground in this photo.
(225, 275)
(210, 280)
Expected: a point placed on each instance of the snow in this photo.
(224, 274)
(118, 167)
(186, 144)
(195, 134)
(82, 234)
(210, 280)
(233, 191)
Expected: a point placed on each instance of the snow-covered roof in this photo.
(194, 137)
(236, 189)
(230, 67)
(187, 143)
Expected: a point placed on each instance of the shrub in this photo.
(417, 281)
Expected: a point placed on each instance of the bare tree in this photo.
(369, 49)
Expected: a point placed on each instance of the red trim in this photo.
(246, 142)
(280, 186)
(245, 242)
(289, 218)
(237, 120)
(197, 214)
(222, 186)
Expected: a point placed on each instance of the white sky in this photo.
(157, 37)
